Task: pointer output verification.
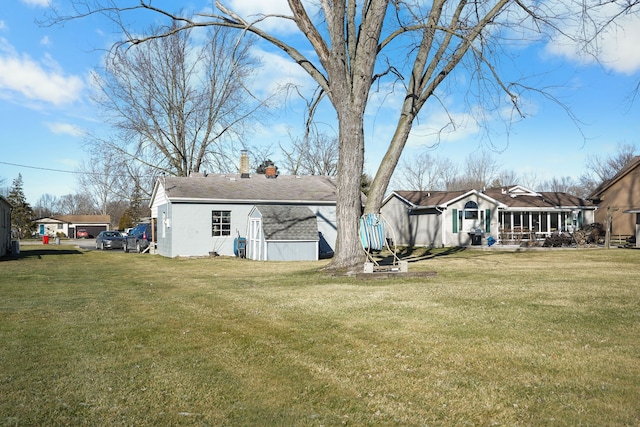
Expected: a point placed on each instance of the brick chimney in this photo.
(244, 164)
(271, 171)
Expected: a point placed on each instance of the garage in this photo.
(93, 230)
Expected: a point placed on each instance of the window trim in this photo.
(220, 223)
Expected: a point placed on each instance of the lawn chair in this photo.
(373, 238)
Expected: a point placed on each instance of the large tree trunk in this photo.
(348, 253)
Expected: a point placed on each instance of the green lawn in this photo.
(547, 337)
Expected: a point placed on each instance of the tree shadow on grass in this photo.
(39, 253)
(417, 254)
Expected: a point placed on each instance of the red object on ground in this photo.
(45, 240)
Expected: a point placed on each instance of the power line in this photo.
(66, 171)
(41, 168)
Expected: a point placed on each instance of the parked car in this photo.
(82, 234)
(138, 239)
(109, 240)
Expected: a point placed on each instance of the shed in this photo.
(5, 226)
(282, 233)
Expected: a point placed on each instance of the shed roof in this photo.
(288, 222)
(255, 189)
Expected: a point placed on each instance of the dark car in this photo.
(138, 239)
(109, 240)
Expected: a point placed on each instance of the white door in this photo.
(255, 239)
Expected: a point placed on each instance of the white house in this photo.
(206, 213)
(68, 225)
(461, 218)
(5, 226)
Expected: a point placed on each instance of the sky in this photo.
(45, 105)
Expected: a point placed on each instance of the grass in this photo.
(495, 338)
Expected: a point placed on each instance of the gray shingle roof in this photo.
(546, 200)
(288, 222)
(256, 189)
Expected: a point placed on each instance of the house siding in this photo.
(411, 228)
(621, 196)
(187, 228)
(327, 223)
(164, 229)
(460, 233)
(190, 229)
(292, 250)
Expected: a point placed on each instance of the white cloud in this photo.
(617, 48)
(37, 3)
(277, 72)
(252, 10)
(64, 129)
(443, 126)
(45, 41)
(39, 81)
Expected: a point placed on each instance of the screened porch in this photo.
(518, 226)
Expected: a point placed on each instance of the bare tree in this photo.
(350, 42)
(76, 204)
(176, 106)
(480, 170)
(101, 177)
(529, 180)
(605, 168)
(422, 172)
(505, 177)
(46, 205)
(313, 154)
(564, 184)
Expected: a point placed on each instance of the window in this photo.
(220, 223)
(471, 210)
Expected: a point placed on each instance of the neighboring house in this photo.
(461, 218)
(5, 226)
(617, 195)
(205, 214)
(68, 225)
